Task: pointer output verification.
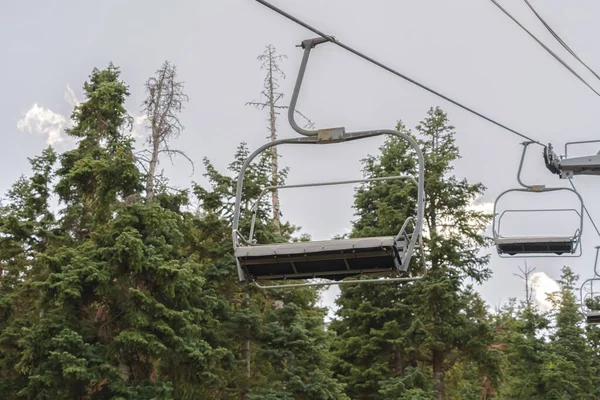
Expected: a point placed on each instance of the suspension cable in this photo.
(391, 70)
(556, 57)
(562, 42)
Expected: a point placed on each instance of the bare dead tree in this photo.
(165, 100)
(269, 99)
(525, 276)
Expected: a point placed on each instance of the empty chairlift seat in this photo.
(593, 317)
(588, 295)
(538, 245)
(330, 259)
(334, 259)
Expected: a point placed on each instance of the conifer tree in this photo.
(569, 372)
(26, 228)
(388, 333)
(526, 351)
(122, 307)
(288, 342)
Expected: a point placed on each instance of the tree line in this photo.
(129, 290)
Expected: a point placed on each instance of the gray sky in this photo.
(466, 48)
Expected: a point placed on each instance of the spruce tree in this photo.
(284, 329)
(519, 329)
(569, 372)
(26, 228)
(388, 333)
(122, 307)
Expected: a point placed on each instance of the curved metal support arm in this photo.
(596, 262)
(308, 45)
(535, 188)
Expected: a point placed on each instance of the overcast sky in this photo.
(466, 49)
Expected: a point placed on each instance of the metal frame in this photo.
(582, 297)
(578, 142)
(576, 237)
(330, 136)
(555, 163)
(267, 189)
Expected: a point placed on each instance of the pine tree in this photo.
(387, 332)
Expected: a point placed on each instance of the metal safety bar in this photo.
(536, 210)
(319, 184)
(578, 142)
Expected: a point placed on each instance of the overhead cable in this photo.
(562, 42)
(560, 60)
(393, 71)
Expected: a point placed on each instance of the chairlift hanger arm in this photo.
(533, 188)
(329, 38)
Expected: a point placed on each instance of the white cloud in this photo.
(138, 125)
(43, 121)
(542, 285)
(487, 207)
(70, 97)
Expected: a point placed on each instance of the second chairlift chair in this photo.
(537, 246)
(331, 259)
(592, 314)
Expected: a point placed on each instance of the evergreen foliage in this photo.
(425, 328)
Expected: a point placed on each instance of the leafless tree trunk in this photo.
(270, 62)
(164, 102)
(273, 137)
(525, 276)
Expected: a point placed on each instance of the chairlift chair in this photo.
(592, 316)
(567, 167)
(337, 259)
(536, 246)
